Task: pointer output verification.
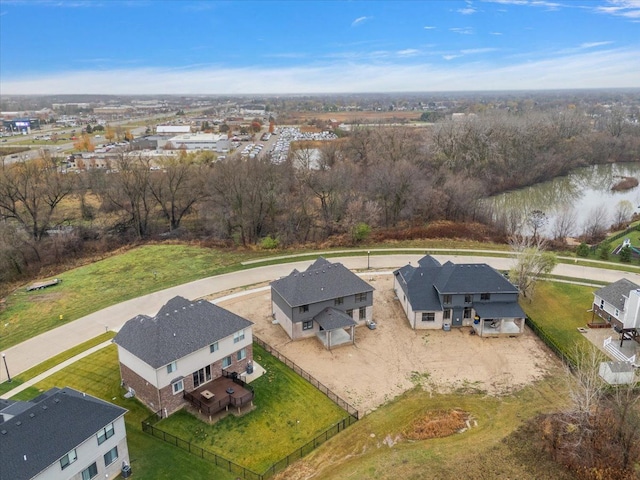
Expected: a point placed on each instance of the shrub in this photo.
(625, 254)
(604, 251)
(583, 250)
(361, 232)
(270, 243)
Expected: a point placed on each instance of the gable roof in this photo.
(615, 292)
(331, 318)
(54, 424)
(180, 328)
(423, 284)
(322, 281)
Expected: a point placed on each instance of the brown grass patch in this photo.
(437, 424)
(46, 297)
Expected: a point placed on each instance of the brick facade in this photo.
(165, 398)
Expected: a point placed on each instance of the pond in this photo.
(582, 192)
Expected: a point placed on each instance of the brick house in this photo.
(183, 348)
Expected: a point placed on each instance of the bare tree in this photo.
(531, 263)
(565, 224)
(622, 213)
(596, 224)
(537, 220)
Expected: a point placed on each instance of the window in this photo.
(362, 313)
(172, 367)
(308, 325)
(238, 336)
(467, 312)
(617, 313)
(90, 472)
(338, 301)
(111, 456)
(361, 297)
(350, 312)
(485, 296)
(68, 459)
(242, 354)
(446, 299)
(446, 314)
(177, 386)
(601, 303)
(201, 376)
(468, 298)
(428, 317)
(106, 432)
(226, 362)
(303, 309)
(213, 347)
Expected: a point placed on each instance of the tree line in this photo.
(374, 178)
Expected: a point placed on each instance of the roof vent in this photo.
(57, 400)
(174, 334)
(44, 407)
(25, 458)
(3, 432)
(18, 423)
(31, 415)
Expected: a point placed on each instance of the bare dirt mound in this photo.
(438, 424)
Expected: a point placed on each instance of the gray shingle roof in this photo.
(331, 319)
(49, 429)
(472, 278)
(498, 310)
(615, 292)
(320, 282)
(422, 284)
(180, 328)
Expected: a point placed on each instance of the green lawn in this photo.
(98, 285)
(53, 361)
(289, 413)
(559, 309)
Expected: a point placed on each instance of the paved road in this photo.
(38, 349)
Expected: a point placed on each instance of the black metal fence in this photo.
(550, 342)
(309, 378)
(149, 426)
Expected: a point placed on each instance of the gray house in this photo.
(172, 358)
(436, 296)
(326, 300)
(62, 434)
(618, 304)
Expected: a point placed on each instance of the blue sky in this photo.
(245, 47)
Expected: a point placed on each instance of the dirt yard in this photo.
(387, 361)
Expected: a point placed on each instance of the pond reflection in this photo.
(583, 191)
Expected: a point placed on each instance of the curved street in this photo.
(36, 350)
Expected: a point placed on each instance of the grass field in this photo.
(289, 413)
(559, 309)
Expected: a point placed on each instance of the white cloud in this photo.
(451, 57)
(614, 68)
(467, 10)
(409, 52)
(474, 51)
(595, 44)
(360, 21)
(621, 8)
(429, 28)
(495, 33)
(463, 30)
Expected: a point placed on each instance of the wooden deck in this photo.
(223, 393)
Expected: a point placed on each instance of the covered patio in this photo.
(220, 394)
(498, 319)
(336, 328)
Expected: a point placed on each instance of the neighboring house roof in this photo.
(615, 292)
(322, 281)
(332, 319)
(423, 284)
(180, 328)
(54, 424)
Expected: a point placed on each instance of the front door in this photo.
(456, 317)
